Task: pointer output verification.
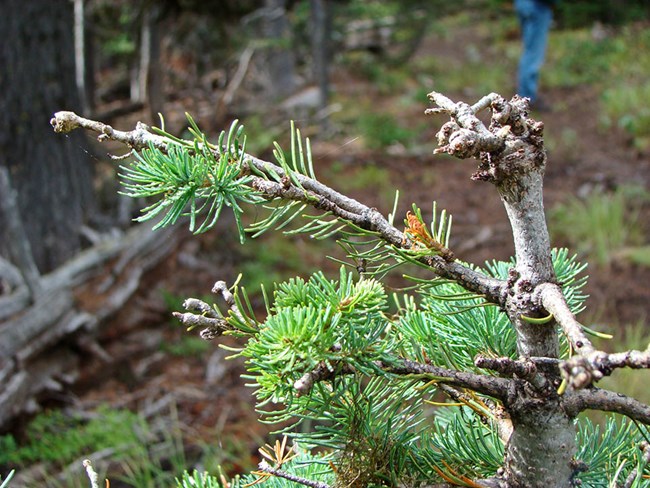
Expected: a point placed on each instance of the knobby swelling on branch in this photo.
(502, 343)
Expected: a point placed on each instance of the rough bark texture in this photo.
(52, 175)
(45, 342)
(512, 157)
(541, 448)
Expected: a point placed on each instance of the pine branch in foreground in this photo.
(475, 377)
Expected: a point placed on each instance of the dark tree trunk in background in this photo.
(155, 90)
(146, 74)
(281, 60)
(52, 174)
(320, 42)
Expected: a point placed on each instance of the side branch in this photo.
(607, 401)
(486, 385)
(200, 314)
(138, 139)
(550, 296)
(265, 467)
(310, 191)
(492, 386)
(590, 364)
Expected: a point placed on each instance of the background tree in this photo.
(52, 175)
(501, 343)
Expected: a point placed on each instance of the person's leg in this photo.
(535, 20)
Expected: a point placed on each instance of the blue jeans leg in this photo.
(535, 20)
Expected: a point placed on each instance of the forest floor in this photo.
(161, 367)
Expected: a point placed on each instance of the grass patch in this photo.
(58, 441)
(477, 78)
(632, 382)
(603, 226)
(382, 130)
(59, 438)
(188, 346)
(626, 106)
(617, 65)
(375, 181)
(575, 58)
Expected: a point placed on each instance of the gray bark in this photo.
(52, 175)
(35, 352)
(19, 248)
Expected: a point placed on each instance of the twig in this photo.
(524, 369)
(485, 102)
(645, 449)
(213, 324)
(233, 86)
(312, 191)
(550, 296)
(322, 372)
(212, 327)
(138, 139)
(92, 475)
(472, 137)
(590, 364)
(485, 408)
(221, 288)
(196, 305)
(607, 401)
(486, 385)
(583, 370)
(265, 467)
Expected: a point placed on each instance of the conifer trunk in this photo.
(543, 441)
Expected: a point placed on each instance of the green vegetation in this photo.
(187, 346)
(374, 428)
(369, 178)
(629, 382)
(575, 58)
(603, 226)
(381, 130)
(58, 440)
(627, 107)
(61, 439)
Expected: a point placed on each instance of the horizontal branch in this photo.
(525, 369)
(138, 139)
(584, 370)
(265, 467)
(607, 401)
(486, 385)
(310, 191)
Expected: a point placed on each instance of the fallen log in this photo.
(75, 301)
